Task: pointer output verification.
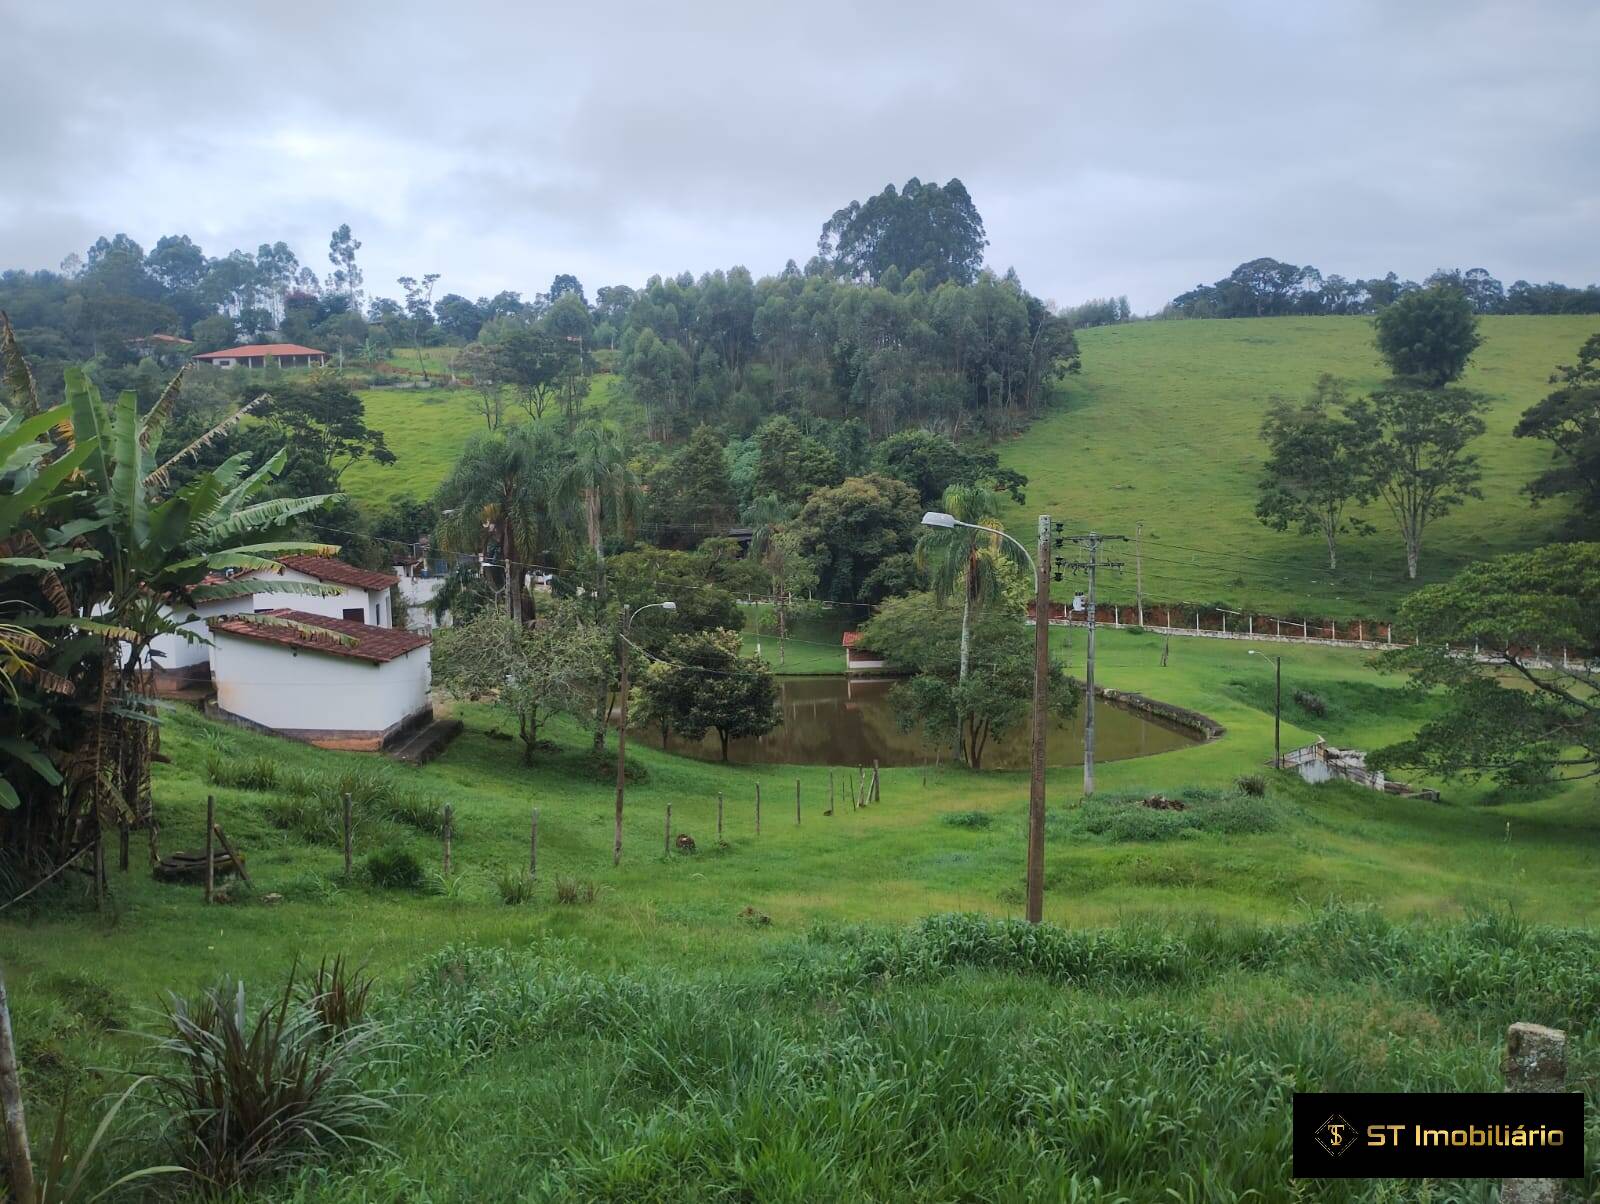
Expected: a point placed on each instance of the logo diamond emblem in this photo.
(1336, 1135)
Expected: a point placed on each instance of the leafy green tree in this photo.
(530, 670)
(649, 575)
(1569, 418)
(790, 465)
(1428, 335)
(691, 495)
(324, 420)
(931, 228)
(846, 531)
(920, 636)
(793, 576)
(705, 685)
(1529, 715)
(482, 363)
(967, 561)
(1317, 467)
(532, 362)
(500, 501)
(1418, 463)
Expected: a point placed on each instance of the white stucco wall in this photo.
(169, 652)
(299, 690)
(374, 603)
(419, 593)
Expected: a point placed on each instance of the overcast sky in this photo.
(1119, 147)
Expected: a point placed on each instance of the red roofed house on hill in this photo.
(334, 683)
(289, 355)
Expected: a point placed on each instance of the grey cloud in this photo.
(1131, 148)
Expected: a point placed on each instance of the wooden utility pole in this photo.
(19, 1163)
(1041, 678)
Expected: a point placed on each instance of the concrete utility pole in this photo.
(1138, 568)
(1092, 541)
(1041, 677)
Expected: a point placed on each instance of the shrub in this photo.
(336, 994)
(515, 886)
(395, 868)
(1252, 784)
(239, 1097)
(969, 819)
(574, 891)
(1311, 703)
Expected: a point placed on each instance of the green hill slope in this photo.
(1161, 427)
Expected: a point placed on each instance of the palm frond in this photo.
(270, 513)
(310, 630)
(245, 587)
(158, 479)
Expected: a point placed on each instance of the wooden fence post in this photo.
(666, 847)
(719, 817)
(758, 808)
(347, 836)
(877, 797)
(238, 862)
(211, 855)
(830, 792)
(1536, 1060)
(18, 1162)
(533, 845)
(797, 801)
(851, 782)
(861, 785)
(449, 831)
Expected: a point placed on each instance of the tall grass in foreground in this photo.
(958, 1058)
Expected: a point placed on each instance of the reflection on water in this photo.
(850, 721)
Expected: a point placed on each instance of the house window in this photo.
(355, 614)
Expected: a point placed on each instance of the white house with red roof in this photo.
(353, 594)
(857, 656)
(256, 355)
(332, 682)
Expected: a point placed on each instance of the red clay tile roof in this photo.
(260, 349)
(852, 639)
(325, 568)
(375, 644)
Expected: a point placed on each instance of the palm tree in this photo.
(502, 492)
(598, 485)
(966, 558)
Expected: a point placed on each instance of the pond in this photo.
(851, 721)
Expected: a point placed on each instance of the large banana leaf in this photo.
(88, 428)
(156, 420)
(36, 491)
(268, 514)
(128, 497)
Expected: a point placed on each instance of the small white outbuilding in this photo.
(332, 682)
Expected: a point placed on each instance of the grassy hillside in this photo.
(426, 429)
(1161, 427)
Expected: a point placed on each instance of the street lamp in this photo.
(1277, 709)
(1041, 677)
(622, 718)
(937, 518)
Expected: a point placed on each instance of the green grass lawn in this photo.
(426, 429)
(1162, 428)
(664, 1043)
(813, 643)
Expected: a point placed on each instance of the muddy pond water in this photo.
(851, 721)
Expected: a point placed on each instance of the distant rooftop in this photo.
(260, 349)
